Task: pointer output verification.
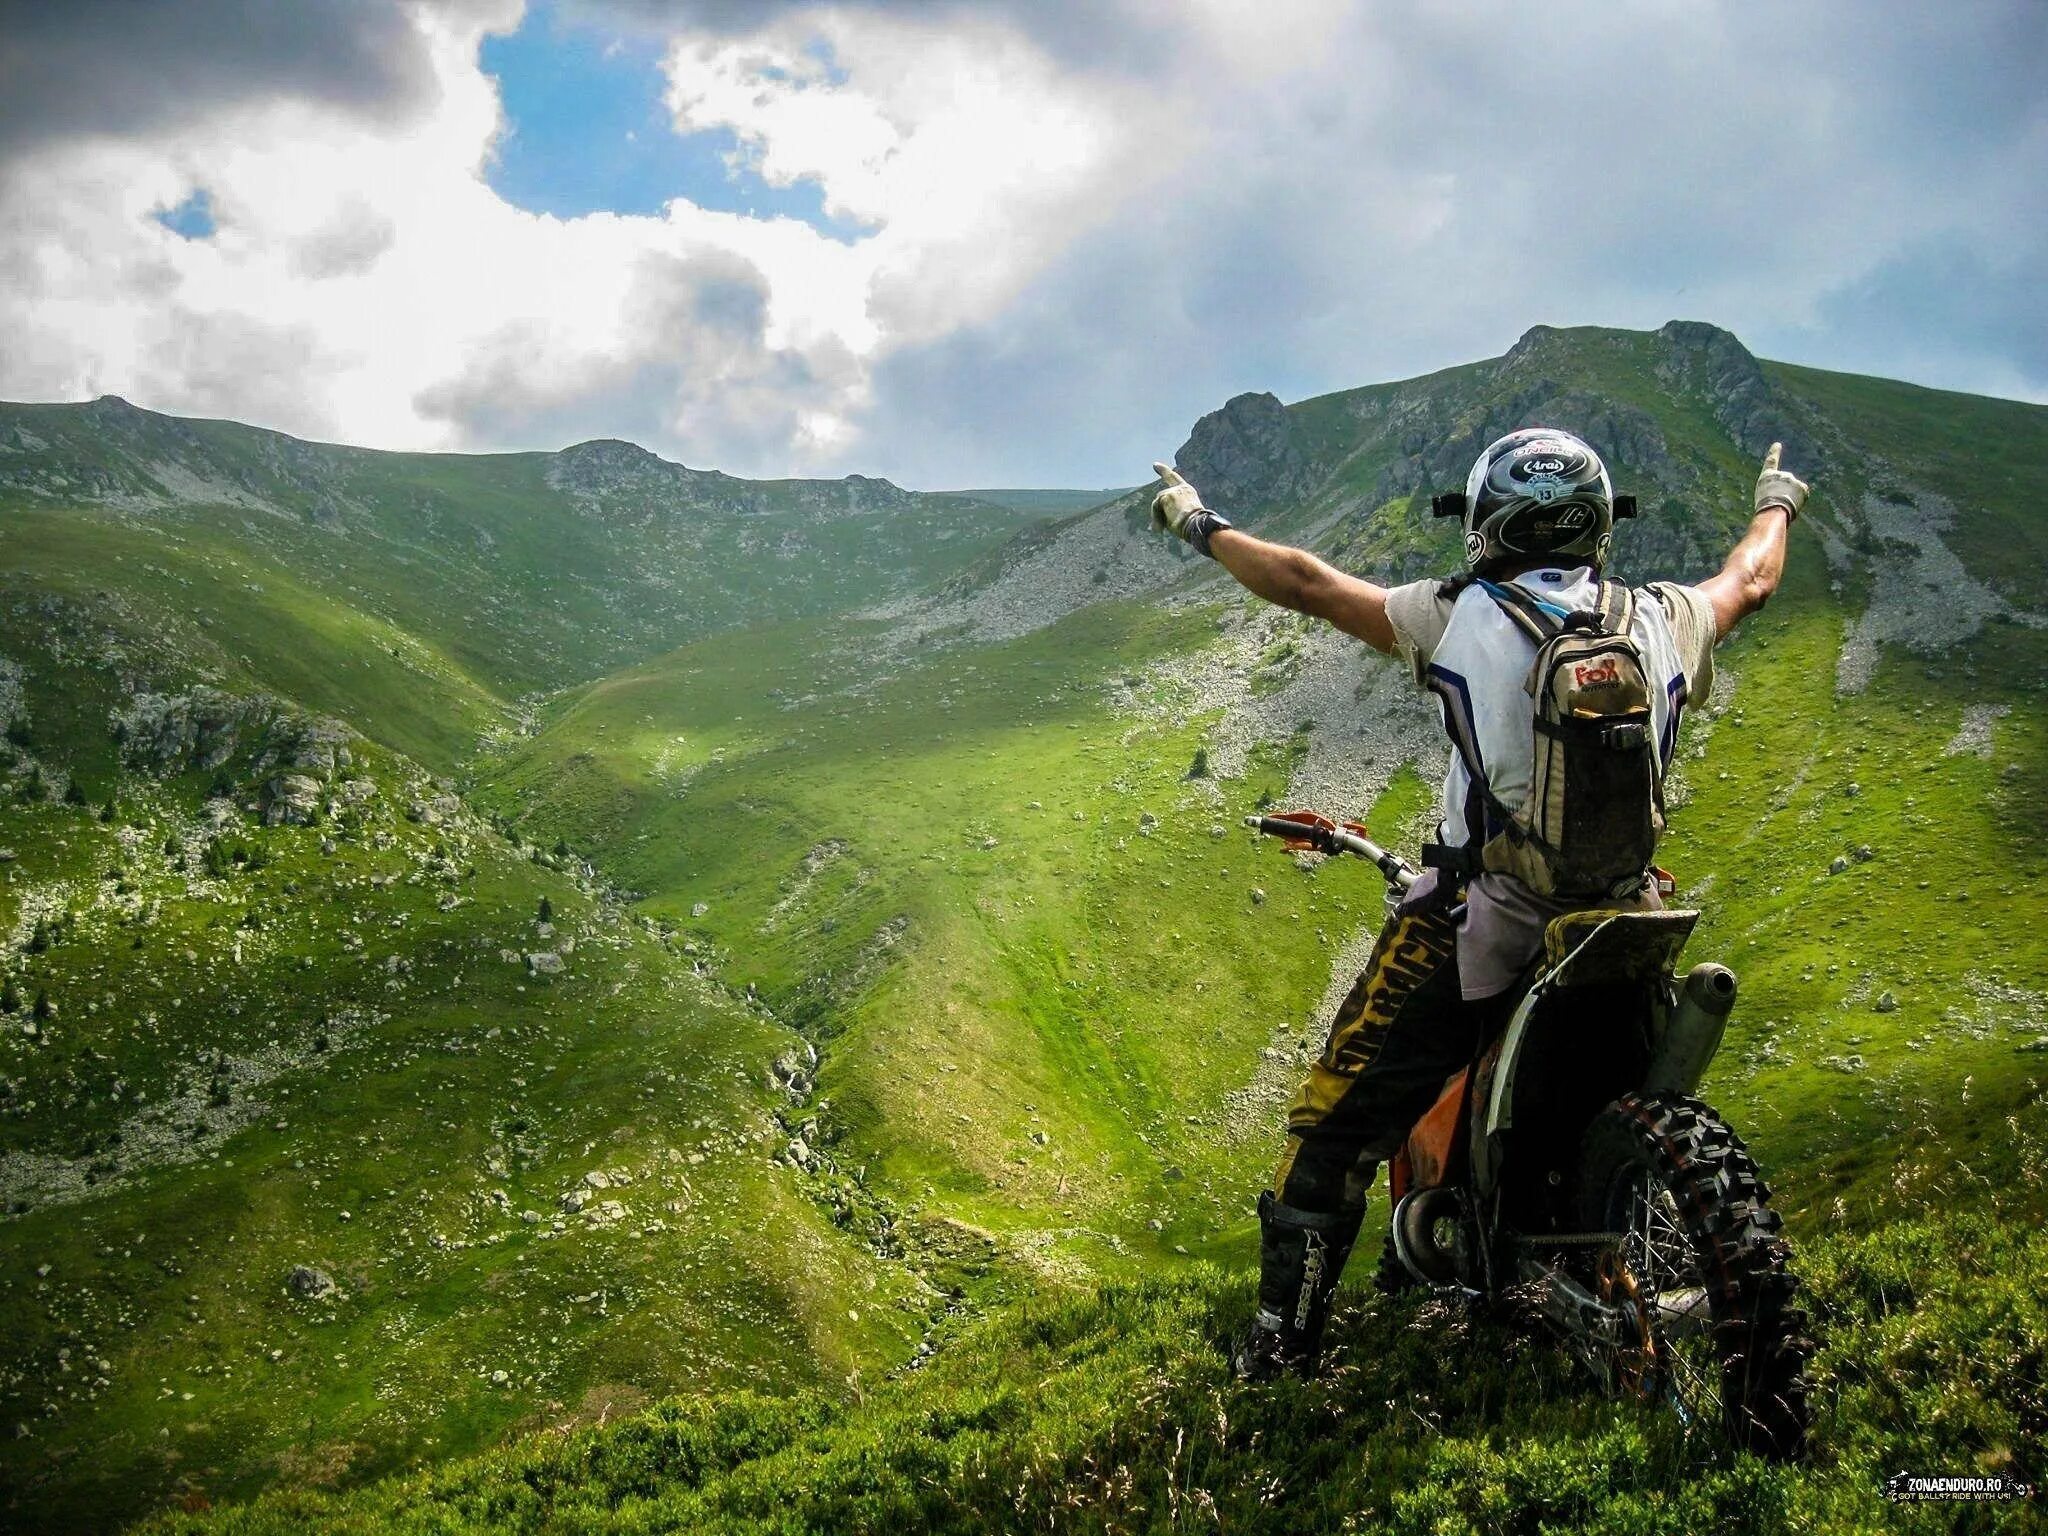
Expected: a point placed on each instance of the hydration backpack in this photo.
(1596, 799)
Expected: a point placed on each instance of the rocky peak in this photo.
(610, 454)
(1704, 360)
(1536, 342)
(1244, 455)
(1710, 357)
(607, 466)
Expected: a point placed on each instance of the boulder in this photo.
(290, 799)
(311, 1283)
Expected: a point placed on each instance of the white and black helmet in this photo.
(1537, 492)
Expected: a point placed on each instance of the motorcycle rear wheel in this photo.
(1709, 1321)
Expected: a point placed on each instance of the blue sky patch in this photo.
(193, 218)
(588, 132)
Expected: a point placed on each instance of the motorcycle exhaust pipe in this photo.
(1692, 1034)
(1415, 1240)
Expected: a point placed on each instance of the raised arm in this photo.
(1279, 573)
(1753, 568)
(1296, 579)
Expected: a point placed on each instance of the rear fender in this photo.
(1582, 949)
(1494, 1110)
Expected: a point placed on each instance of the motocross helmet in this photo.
(1538, 492)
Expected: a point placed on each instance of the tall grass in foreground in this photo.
(1116, 1412)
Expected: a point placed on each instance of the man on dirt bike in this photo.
(1538, 513)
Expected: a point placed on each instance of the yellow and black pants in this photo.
(1402, 1031)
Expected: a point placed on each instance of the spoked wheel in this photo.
(1702, 1308)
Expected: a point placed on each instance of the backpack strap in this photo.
(1616, 607)
(1535, 618)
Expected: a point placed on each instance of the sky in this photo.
(984, 242)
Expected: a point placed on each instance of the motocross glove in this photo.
(1178, 509)
(1777, 487)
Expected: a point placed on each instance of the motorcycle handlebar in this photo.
(1335, 839)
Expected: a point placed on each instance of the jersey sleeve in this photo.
(1419, 617)
(1693, 630)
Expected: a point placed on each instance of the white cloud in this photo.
(966, 152)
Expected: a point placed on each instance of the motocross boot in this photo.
(1301, 1254)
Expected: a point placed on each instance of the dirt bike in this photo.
(1570, 1168)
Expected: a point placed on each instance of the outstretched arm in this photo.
(1296, 579)
(1279, 573)
(1753, 568)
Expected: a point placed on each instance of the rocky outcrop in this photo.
(290, 799)
(309, 1282)
(205, 728)
(1245, 456)
(1707, 361)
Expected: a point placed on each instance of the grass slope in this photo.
(233, 1050)
(1115, 1412)
(499, 574)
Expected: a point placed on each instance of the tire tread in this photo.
(1760, 1329)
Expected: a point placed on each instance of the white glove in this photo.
(1777, 487)
(1176, 502)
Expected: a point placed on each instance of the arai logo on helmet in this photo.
(1543, 466)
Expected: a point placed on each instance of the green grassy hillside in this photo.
(235, 1053)
(421, 595)
(924, 979)
(1047, 501)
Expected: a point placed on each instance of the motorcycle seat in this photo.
(1602, 945)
